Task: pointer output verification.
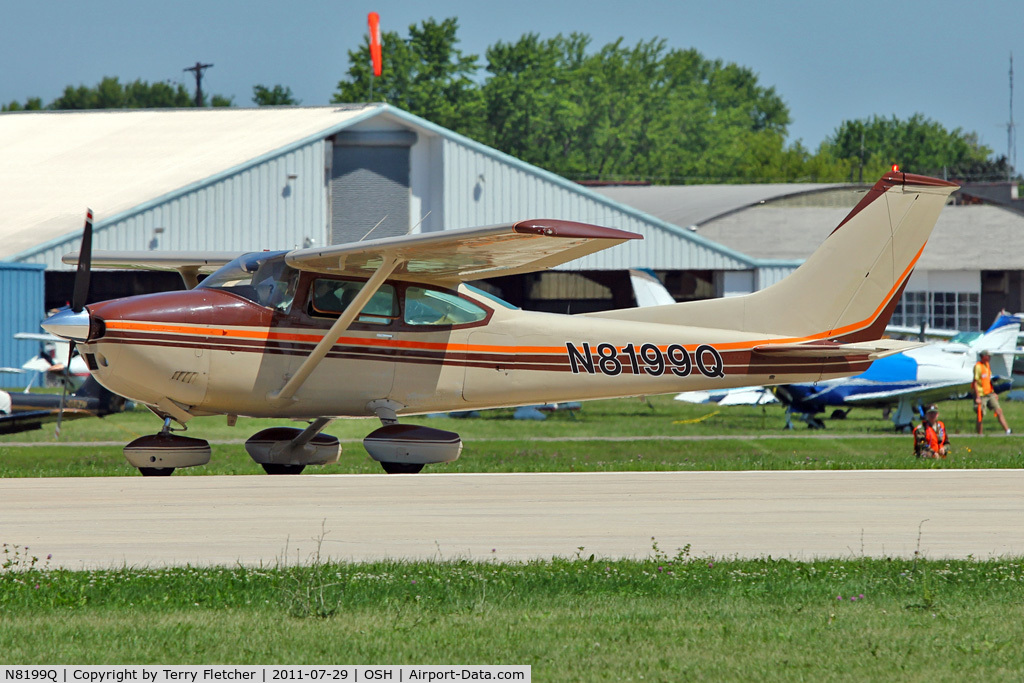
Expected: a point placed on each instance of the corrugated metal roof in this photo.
(692, 205)
(766, 223)
(55, 164)
(971, 237)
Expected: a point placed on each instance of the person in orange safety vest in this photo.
(984, 396)
(930, 438)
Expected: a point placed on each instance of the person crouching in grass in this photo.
(930, 438)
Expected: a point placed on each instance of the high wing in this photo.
(200, 261)
(465, 254)
(28, 420)
(446, 256)
(189, 264)
(921, 390)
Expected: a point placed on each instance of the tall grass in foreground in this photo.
(584, 618)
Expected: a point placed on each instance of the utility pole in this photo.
(1011, 133)
(198, 71)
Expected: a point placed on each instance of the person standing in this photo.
(930, 438)
(984, 397)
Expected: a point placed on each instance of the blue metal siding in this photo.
(21, 310)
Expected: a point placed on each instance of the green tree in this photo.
(31, 104)
(641, 112)
(278, 95)
(917, 144)
(110, 93)
(425, 75)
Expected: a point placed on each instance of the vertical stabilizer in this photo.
(847, 289)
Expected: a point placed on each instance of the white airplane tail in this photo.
(1000, 340)
(847, 289)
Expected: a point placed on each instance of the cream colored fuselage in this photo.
(517, 358)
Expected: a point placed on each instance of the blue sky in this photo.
(830, 61)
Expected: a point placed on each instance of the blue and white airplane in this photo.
(932, 372)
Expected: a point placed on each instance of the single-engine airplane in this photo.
(389, 328)
(48, 365)
(22, 411)
(936, 371)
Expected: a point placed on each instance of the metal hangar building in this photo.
(234, 179)
(227, 179)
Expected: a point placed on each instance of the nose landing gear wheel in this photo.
(402, 467)
(272, 468)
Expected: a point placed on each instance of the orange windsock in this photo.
(374, 20)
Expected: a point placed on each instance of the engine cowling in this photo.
(412, 444)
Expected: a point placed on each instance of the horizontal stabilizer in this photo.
(873, 350)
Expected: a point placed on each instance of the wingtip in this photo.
(550, 227)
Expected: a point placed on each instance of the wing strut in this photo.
(319, 352)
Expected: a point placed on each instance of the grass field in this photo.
(625, 434)
(669, 617)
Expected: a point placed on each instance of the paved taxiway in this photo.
(204, 520)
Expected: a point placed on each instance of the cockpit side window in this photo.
(434, 307)
(262, 277)
(275, 284)
(331, 297)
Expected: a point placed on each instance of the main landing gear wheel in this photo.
(402, 467)
(272, 468)
(156, 471)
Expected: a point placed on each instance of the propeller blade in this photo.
(64, 390)
(81, 291)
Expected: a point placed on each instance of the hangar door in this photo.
(370, 182)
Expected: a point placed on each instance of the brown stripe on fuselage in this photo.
(734, 362)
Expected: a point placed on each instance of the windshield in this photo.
(262, 277)
(967, 337)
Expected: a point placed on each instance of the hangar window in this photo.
(941, 310)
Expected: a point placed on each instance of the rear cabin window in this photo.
(331, 297)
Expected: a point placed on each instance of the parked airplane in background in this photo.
(49, 363)
(934, 372)
(22, 411)
(389, 328)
